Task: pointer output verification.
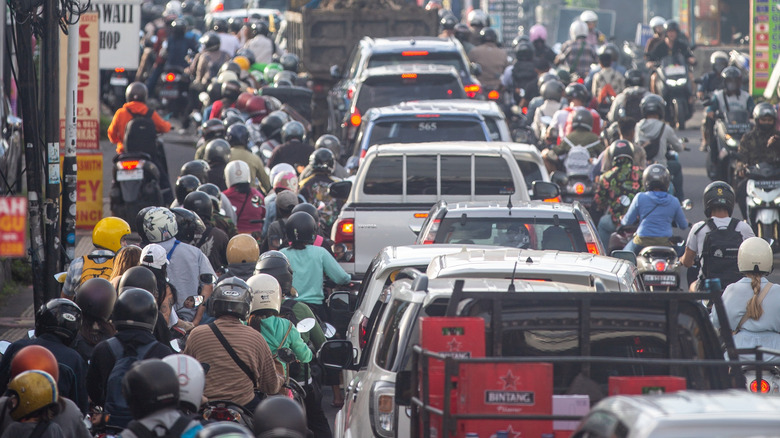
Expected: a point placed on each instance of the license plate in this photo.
(675, 70)
(118, 82)
(169, 93)
(660, 279)
(129, 175)
(767, 184)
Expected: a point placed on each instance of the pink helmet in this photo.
(286, 180)
(538, 31)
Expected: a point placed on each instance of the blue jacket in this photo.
(308, 266)
(655, 212)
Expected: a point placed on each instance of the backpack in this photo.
(141, 134)
(653, 145)
(578, 158)
(116, 405)
(719, 254)
(93, 269)
(176, 431)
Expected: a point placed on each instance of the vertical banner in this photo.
(89, 190)
(764, 43)
(13, 226)
(88, 85)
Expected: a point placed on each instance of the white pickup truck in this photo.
(397, 184)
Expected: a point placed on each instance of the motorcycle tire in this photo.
(679, 115)
(712, 168)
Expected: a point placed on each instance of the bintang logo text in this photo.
(509, 395)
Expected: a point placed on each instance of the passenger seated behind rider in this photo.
(581, 135)
(753, 311)
(759, 145)
(655, 210)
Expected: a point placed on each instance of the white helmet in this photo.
(578, 29)
(236, 172)
(192, 380)
(266, 293)
(755, 256)
(657, 21)
(588, 16)
(160, 225)
(173, 7)
(227, 75)
(478, 18)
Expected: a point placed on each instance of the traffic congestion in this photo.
(336, 219)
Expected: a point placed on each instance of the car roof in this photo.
(395, 44)
(487, 107)
(452, 148)
(243, 12)
(539, 209)
(420, 69)
(408, 255)
(421, 107)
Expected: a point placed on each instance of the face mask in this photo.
(766, 126)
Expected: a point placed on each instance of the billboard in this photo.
(764, 43)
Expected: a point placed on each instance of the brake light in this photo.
(427, 116)
(355, 118)
(659, 265)
(430, 236)
(170, 77)
(525, 110)
(129, 164)
(493, 95)
(764, 386)
(579, 188)
(414, 53)
(363, 330)
(590, 240)
(555, 199)
(350, 92)
(219, 7)
(345, 237)
(409, 76)
(119, 70)
(421, 215)
(471, 90)
(580, 81)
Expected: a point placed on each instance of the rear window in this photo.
(391, 90)
(495, 133)
(492, 175)
(452, 59)
(234, 4)
(421, 130)
(520, 232)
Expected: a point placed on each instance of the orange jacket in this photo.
(116, 130)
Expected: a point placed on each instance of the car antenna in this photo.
(512, 284)
(509, 204)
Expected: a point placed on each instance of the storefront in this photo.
(714, 22)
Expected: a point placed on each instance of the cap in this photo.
(154, 255)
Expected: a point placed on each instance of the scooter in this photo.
(577, 185)
(174, 91)
(114, 92)
(672, 84)
(658, 267)
(135, 185)
(729, 129)
(763, 201)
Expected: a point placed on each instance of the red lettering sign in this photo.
(13, 224)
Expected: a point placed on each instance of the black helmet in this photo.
(179, 27)
(281, 414)
(582, 119)
(329, 141)
(524, 50)
(448, 22)
(138, 277)
(289, 62)
(552, 90)
(275, 264)
(184, 185)
(611, 50)
(220, 25)
(656, 177)
(271, 126)
(672, 25)
(293, 130)
(212, 128)
(198, 168)
(135, 308)
(575, 90)
(199, 203)
(301, 228)
(96, 297)
(488, 35)
(214, 193)
(763, 110)
(190, 224)
(214, 90)
(652, 104)
(218, 151)
(547, 77)
(136, 92)
(621, 149)
(308, 208)
(238, 135)
(139, 221)
(210, 42)
(231, 66)
(232, 296)
(462, 32)
(732, 79)
(260, 28)
(634, 78)
(248, 54)
(232, 119)
(224, 429)
(230, 90)
(322, 160)
(719, 60)
(235, 24)
(61, 317)
(149, 386)
(718, 195)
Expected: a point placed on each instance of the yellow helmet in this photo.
(34, 390)
(242, 248)
(108, 233)
(242, 62)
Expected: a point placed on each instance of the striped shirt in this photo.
(225, 380)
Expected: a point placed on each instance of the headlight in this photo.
(730, 141)
(676, 82)
(750, 187)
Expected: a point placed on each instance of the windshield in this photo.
(425, 130)
(520, 232)
(452, 59)
(391, 90)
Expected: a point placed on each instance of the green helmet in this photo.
(270, 72)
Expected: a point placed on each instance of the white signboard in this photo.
(120, 24)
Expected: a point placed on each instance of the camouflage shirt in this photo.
(616, 188)
(754, 147)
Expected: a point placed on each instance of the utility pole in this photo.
(69, 167)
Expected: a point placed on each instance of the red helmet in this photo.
(243, 98)
(256, 109)
(35, 357)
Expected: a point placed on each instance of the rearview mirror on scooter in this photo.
(687, 204)
(305, 325)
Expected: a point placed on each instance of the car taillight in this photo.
(414, 53)
(426, 116)
(119, 70)
(754, 386)
(579, 188)
(129, 164)
(219, 7)
(430, 236)
(355, 118)
(350, 92)
(382, 409)
(471, 90)
(555, 199)
(363, 333)
(345, 236)
(493, 95)
(590, 240)
(659, 265)
(409, 76)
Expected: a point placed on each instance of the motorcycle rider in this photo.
(652, 130)
(729, 98)
(224, 215)
(242, 254)
(247, 199)
(577, 53)
(185, 185)
(752, 304)
(280, 415)
(616, 188)
(174, 52)
(719, 199)
(578, 97)
(228, 42)
(238, 138)
(260, 43)
(151, 388)
(276, 237)
(655, 210)
(477, 20)
(627, 103)
(607, 76)
(595, 37)
(56, 324)
(463, 34)
(95, 298)
(217, 155)
(231, 89)
(108, 237)
(657, 24)
(332, 143)
(552, 93)
(256, 110)
(315, 187)
(760, 145)
(205, 65)
(581, 135)
(492, 59)
(293, 150)
(191, 382)
(523, 76)
(242, 364)
(671, 45)
(709, 83)
(538, 37)
(32, 404)
(210, 129)
(135, 106)
(150, 276)
(447, 25)
(213, 241)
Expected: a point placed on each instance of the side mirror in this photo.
(336, 355)
(545, 190)
(341, 301)
(476, 69)
(403, 388)
(330, 331)
(559, 178)
(340, 190)
(305, 325)
(624, 255)
(687, 204)
(335, 72)
(196, 299)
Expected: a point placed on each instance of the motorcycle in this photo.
(224, 410)
(658, 267)
(672, 85)
(729, 129)
(174, 91)
(135, 185)
(763, 201)
(114, 92)
(576, 185)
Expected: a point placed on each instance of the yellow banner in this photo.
(89, 189)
